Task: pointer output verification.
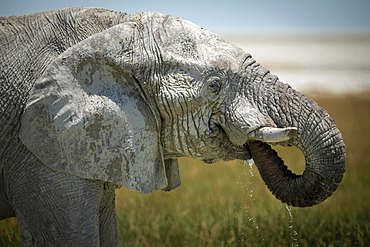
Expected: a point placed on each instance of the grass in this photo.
(213, 206)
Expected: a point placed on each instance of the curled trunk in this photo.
(317, 137)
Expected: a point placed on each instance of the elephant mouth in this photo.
(226, 150)
(266, 135)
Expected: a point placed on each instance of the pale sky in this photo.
(229, 16)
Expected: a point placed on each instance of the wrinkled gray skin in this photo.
(92, 100)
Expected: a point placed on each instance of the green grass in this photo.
(212, 207)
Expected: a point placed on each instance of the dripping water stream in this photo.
(293, 235)
(247, 181)
(249, 228)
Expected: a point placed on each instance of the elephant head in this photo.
(124, 104)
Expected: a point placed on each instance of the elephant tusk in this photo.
(269, 134)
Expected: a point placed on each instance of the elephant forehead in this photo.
(219, 53)
(185, 41)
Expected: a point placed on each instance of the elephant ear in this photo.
(88, 116)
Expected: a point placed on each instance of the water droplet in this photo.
(293, 233)
(247, 179)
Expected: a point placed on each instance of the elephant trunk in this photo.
(317, 137)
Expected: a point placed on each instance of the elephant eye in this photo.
(214, 85)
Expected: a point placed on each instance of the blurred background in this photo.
(321, 48)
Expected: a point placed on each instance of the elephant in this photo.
(93, 100)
